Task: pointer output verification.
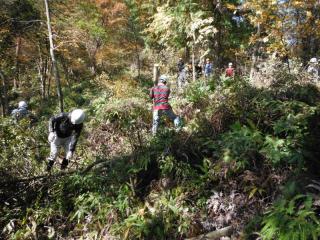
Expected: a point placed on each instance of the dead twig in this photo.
(217, 234)
(61, 174)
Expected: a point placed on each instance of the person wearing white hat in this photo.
(313, 68)
(64, 131)
(160, 96)
(21, 111)
(230, 70)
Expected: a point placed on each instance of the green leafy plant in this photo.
(291, 219)
(240, 145)
(198, 91)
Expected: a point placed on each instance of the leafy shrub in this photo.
(21, 147)
(291, 219)
(181, 171)
(277, 150)
(167, 217)
(198, 91)
(240, 145)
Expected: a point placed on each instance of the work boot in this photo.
(49, 165)
(64, 163)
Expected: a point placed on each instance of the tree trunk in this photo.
(138, 64)
(16, 64)
(187, 53)
(54, 63)
(254, 57)
(48, 76)
(4, 95)
(65, 70)
(155, 73)
(42, 69)
(45, 78)
(193, 59)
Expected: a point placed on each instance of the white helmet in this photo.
(22, 104)
(163, 79)
(313, 60)
(230, 64)
(77, 116)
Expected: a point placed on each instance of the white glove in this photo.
(69, 155)
(51, 137)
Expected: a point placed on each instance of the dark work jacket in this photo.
(180, 66)
(62, 126)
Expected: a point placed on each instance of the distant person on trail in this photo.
(64, 131)
(198, 69)
(182, 77)
(182, 74)
(22, 112)
(160, 95)
(189, 72)
(230, 70)
(180, 65)
(208, 68)
(313, 69)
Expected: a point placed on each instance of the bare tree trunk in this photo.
(41, 78)
(65, 70)
(42, 69)
(254, 57)
(54, 63)
(48, 75)
(187, 53)
(193, 59)
(45, 78)
(1, 103)
(4, 94)
(16, 64)
(138, 61)
(155, 73)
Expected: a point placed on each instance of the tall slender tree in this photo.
(4, 94)
(53, 59)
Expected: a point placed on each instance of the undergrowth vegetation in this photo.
(239, 152)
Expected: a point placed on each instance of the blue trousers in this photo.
(157, 118)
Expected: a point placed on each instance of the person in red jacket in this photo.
(160, 95)
(230, 70)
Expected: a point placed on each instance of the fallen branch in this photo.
(62, 173)
(214, 235)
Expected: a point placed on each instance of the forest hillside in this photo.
(239, 160)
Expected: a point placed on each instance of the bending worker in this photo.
(64, 131)
(160, 95)
(21, 111)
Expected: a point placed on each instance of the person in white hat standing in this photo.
(230, 70)
(313, 69)
(64, 131)
(160, 95)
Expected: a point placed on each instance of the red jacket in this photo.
(160, 95)
(229, 72)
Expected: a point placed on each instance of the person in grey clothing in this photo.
(20, 112)
(182, 78)
(64, 131)
(313, 69)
